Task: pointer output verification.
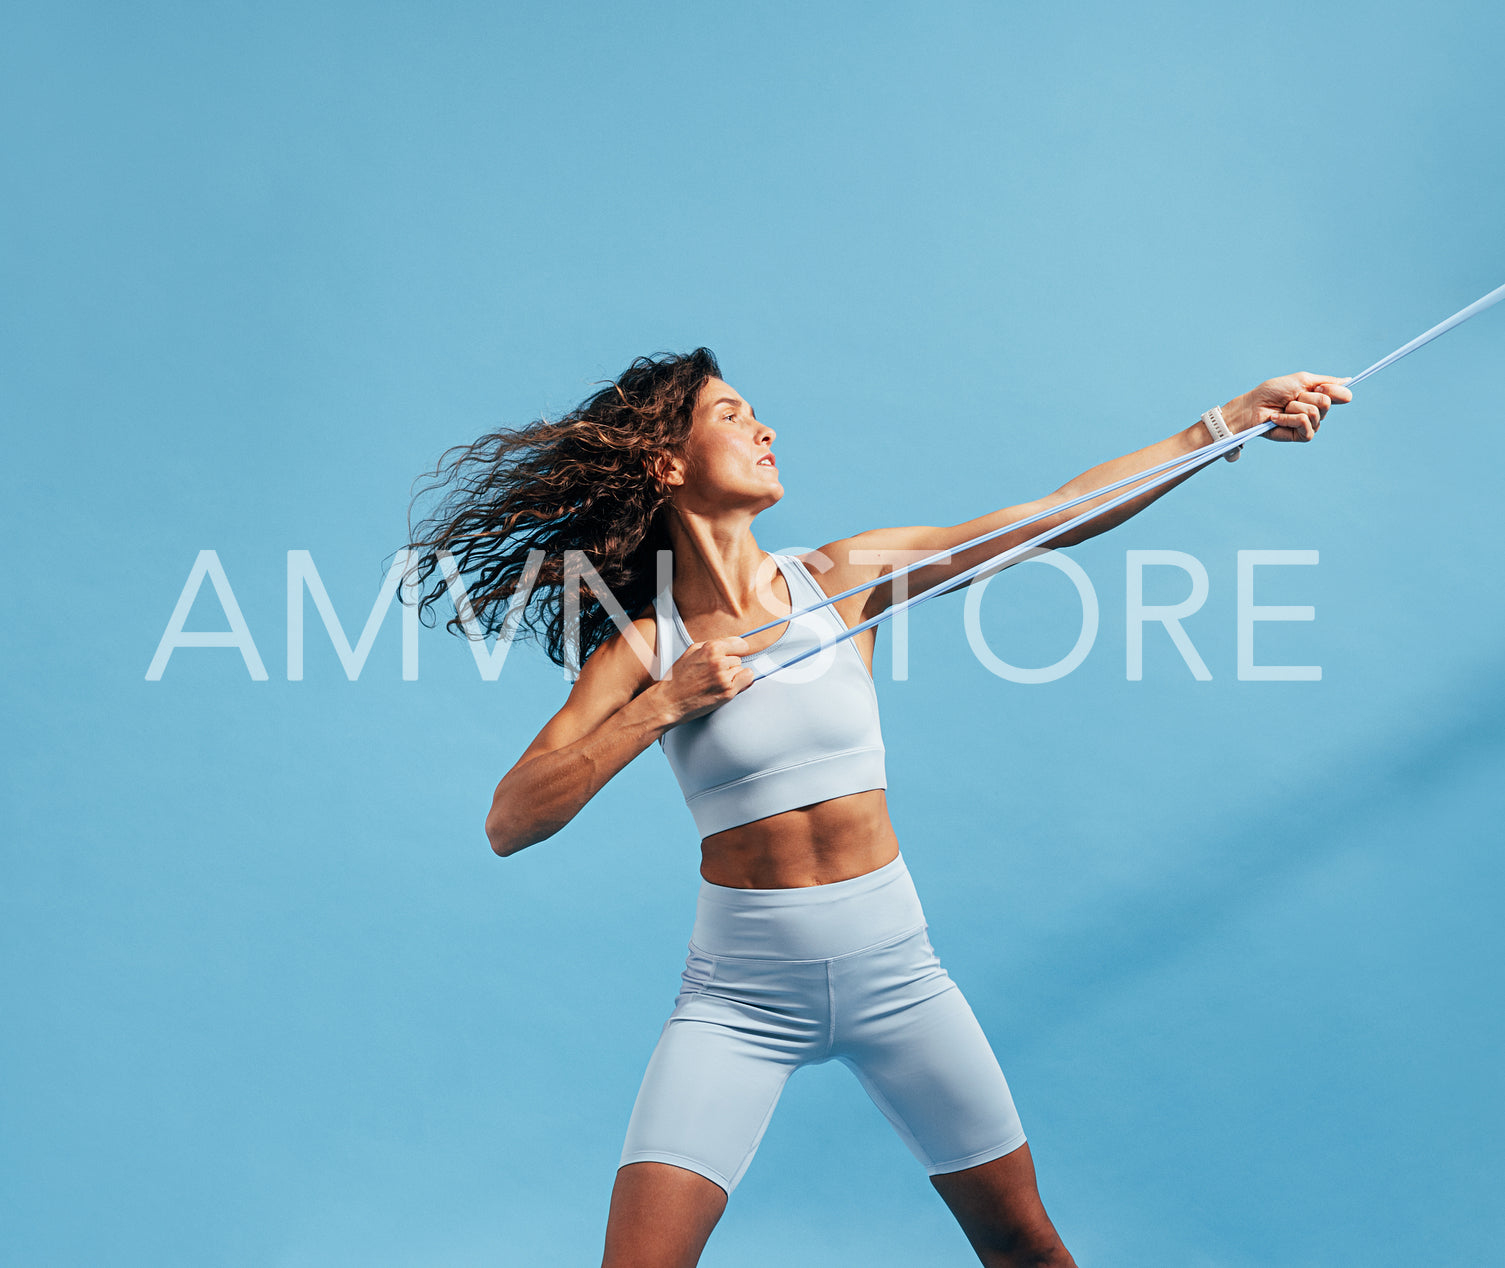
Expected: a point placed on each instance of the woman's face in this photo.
(729, 456)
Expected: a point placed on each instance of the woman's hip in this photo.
(810, 922)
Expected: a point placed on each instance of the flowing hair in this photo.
(585, 482)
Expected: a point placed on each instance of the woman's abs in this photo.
(812, 845)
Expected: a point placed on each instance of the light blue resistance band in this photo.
(1154, 477)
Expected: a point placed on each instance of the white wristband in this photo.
(1213, 420)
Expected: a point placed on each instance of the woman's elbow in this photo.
(502, 841)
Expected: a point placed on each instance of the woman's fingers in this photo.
(1329, 385)
(1306, 408)
(1297, 403)
(1324, 382)
(1294, 424)
(1299, 418)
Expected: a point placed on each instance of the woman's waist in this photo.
(808, 922)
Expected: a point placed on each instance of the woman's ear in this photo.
(666, 469)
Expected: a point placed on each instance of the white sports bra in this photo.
(799, 736)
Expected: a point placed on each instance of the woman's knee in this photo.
(661, 1216)
(998, 1207)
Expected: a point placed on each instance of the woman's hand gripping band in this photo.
(1295, 403)
(705, 677)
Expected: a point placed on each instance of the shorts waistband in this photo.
(808, 922)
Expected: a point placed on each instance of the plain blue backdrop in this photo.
(268, 998)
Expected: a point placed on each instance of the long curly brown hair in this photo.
(585, 482)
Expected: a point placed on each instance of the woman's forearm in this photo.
(1181, 444)
(537, 798)
(1293, 404)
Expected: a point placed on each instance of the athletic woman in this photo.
(809, 942)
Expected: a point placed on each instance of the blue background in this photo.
(268, 998)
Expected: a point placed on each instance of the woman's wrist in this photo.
(1239, 415)
(650, 709)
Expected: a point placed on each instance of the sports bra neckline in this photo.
(778, 560)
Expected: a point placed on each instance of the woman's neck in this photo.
(716, 565)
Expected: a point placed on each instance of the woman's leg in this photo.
(707, 1096)
(660, 1216)
(999, 1209)
(910, 1036)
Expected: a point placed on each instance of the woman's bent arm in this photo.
(544, 792)
(615, 710)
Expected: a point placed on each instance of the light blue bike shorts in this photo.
(780, 978)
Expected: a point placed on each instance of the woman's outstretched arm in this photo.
(1296, 402)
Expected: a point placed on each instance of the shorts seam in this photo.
(886, 1107)
(977, 1159)
(830, 1012)
(819, 959)
(679, 1160)
(757, 1140)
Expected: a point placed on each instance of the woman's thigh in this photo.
(738, 1031)
(909, 1034)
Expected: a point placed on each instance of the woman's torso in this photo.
(831, 840)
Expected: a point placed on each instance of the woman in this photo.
(809, 942)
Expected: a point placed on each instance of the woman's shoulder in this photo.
(644, 626)
(622, 664)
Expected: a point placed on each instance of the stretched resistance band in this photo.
(1153, 478)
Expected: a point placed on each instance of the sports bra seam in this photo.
(845, 628)
(779, 770)
(662, 644)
